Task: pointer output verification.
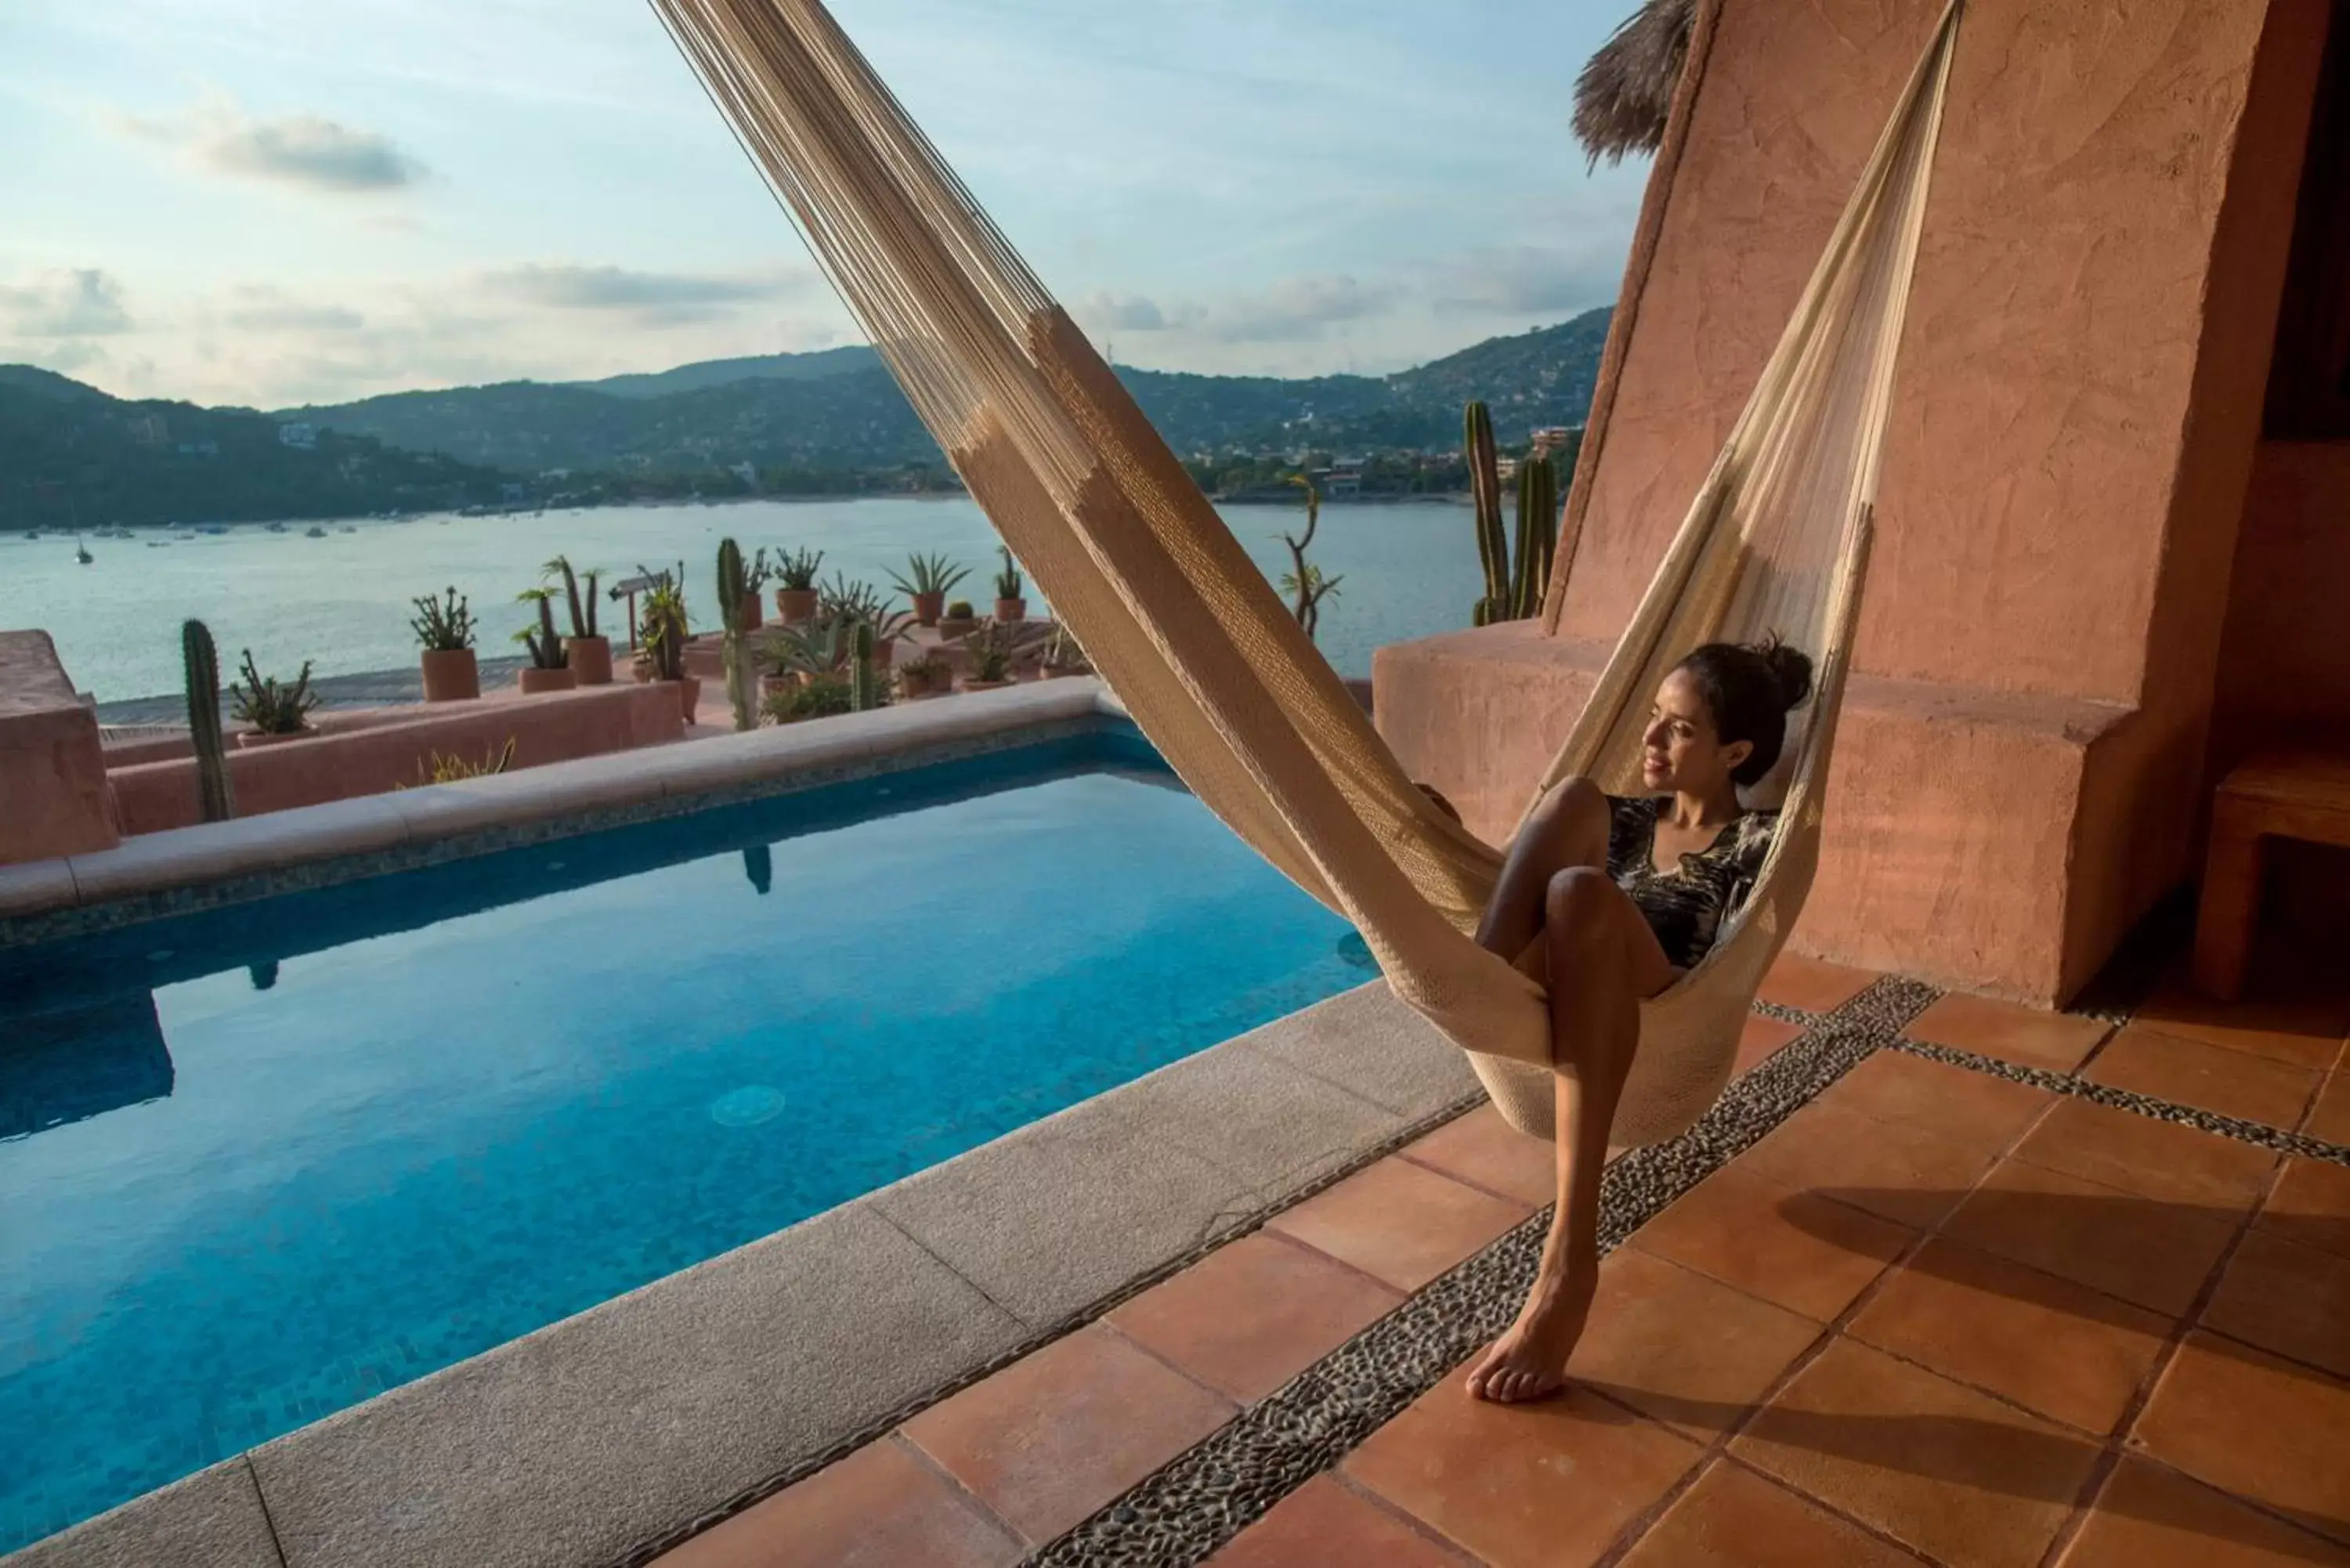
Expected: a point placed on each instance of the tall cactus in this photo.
(201, 662)
(864, 686)
(1537, 535)
(1485, 490)
(733, 588)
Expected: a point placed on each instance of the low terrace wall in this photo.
(52, 771)
(339, 764)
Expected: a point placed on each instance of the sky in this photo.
(270, 202)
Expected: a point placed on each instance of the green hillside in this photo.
(72, 456)
(838, 410)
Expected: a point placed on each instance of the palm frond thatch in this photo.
(1626, 90)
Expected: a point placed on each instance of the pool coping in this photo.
(183, 870)
(586, 1442)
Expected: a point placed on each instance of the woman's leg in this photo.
(1568, 828)
(1603, 960)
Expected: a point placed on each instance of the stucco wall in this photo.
(2070, 439)
(553, 728)
(52, 773)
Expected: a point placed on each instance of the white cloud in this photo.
(82, 302)
(651, 296)
(307, 150)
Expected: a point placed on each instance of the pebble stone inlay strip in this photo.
(669, 1540)
(2236, 1127)
(1208, 1495)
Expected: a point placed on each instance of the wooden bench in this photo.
(2278, 795)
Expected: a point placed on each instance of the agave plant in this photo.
(850, 598)
(270, 705)
(815, 649)
(927, 575)
(1009, 583)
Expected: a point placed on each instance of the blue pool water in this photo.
(258, 1164)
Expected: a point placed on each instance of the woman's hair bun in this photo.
(1789, 667)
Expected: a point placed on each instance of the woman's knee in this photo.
(1579, 904)
(1571, 803)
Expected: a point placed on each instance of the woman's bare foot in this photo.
(1530, 1360)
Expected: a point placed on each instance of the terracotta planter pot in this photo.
(928, 607)
(640, 669)
(450, 675)
(688, 696)
(884, 655)
(796, 605)
(590, 659)
(754, 618)
(950, 629)
(533, 680)
(250, 739)
(1011, 612)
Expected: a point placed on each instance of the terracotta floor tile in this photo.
(2193, 1074)
(2257, 1427)
(1759, 1039)
(1950, 1472)
(1542, 1486)
(2149, 1517)
(1483, 1150)
(2311, 1205)
(2304, 1027)
(2329, 1118)
(1732, 1518)
(2152, 1158)
(881, 1507)
(2057, 1041)
(1324, 1524)
(1800, 1251)
(1250, 1317)
(1952, 1102)
(1399, 1222)
(2143, 1249)
(2054, 1346)
(2292, 1300)
(1892, 1169)
(1812, 985)
(1687, 1350)
(1056, 1434)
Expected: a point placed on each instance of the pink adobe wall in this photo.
(52, 774)
(556, 727)
(2070, 444)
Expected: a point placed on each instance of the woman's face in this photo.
(1681, 752)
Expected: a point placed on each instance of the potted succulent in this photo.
(1062, 655)
(1010, 607)
(958, 621)
(796, 600)
(849, 602)
(588, 655)
(812, 651)
(445, 630)
(666, 629)
(992, 649)
(927, 675)
(547, 669)
(756, 573)
(926, 584)
(275, 711)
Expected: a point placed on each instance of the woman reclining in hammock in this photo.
(1626, 895)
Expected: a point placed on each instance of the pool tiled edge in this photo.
(627, 1426)
(190, 869)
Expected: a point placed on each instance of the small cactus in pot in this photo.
(445, 630)
(202, 663)
(1011, 591)
(549, 668)
(928, 581)
(796, 598)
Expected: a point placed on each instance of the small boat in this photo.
(277, 527)
(316, 532)
(32, 533)
(82, 557)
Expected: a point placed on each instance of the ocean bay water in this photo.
(342, 601)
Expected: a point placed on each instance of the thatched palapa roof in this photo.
(1626, 90)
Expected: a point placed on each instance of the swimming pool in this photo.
(261, 1163)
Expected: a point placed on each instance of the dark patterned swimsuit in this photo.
(1686, 908)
